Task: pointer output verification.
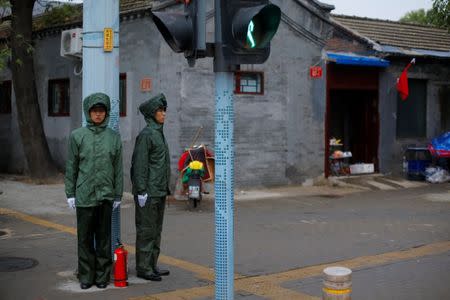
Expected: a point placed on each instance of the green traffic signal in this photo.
(247, 27)
(254, 27)
(250, 37)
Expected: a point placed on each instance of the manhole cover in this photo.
(12, 264)
(2, 232)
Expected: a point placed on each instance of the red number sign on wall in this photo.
(315, 72)
(146, 84)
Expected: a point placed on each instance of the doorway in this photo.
(352, 115)
(353, 118)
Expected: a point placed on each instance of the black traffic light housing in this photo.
(184, 31)
(176, 29)
(248, 26)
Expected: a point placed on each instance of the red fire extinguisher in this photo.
(120, 266)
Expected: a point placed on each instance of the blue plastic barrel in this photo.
(418, 158)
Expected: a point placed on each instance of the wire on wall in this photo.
(80, 67)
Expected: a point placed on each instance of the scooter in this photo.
(194, 189)
(193, 179)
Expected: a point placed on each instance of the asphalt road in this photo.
(397, 243)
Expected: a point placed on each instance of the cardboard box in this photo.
(361, 168)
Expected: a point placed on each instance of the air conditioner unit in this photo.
(71, 43)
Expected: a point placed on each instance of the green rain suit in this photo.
(150, 174)
(94, 177)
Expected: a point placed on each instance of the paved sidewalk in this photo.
(331, 187)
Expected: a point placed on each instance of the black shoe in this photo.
(161, 272)
(102, 285)
(149, 276)
(85, 286)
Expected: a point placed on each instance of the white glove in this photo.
(142, 199)
(116, 204)
(71, 203)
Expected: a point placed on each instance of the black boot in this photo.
(161, 272)
(149, 276)
(102, 285)
(85, 286)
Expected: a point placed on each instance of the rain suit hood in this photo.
(149, 108)
(92, 100)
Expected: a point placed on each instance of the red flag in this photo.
(402, 82)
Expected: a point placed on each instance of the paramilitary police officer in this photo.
(94, 186)
(150, 176)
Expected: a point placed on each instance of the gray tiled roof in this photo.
(127, 5)
(398, 34)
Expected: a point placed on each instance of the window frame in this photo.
(8, 106)
(51, 82)
(237, 80)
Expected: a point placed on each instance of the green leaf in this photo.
(30, 50)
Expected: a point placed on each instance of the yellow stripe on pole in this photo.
(337, 292)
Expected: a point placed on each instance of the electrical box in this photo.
(72, 43)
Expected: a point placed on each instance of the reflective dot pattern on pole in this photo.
(224, 186)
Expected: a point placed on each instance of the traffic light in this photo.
(184, 31)
(248, 26)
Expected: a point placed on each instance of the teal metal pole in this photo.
(224, 186)
(224, 167)
(101, 68)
